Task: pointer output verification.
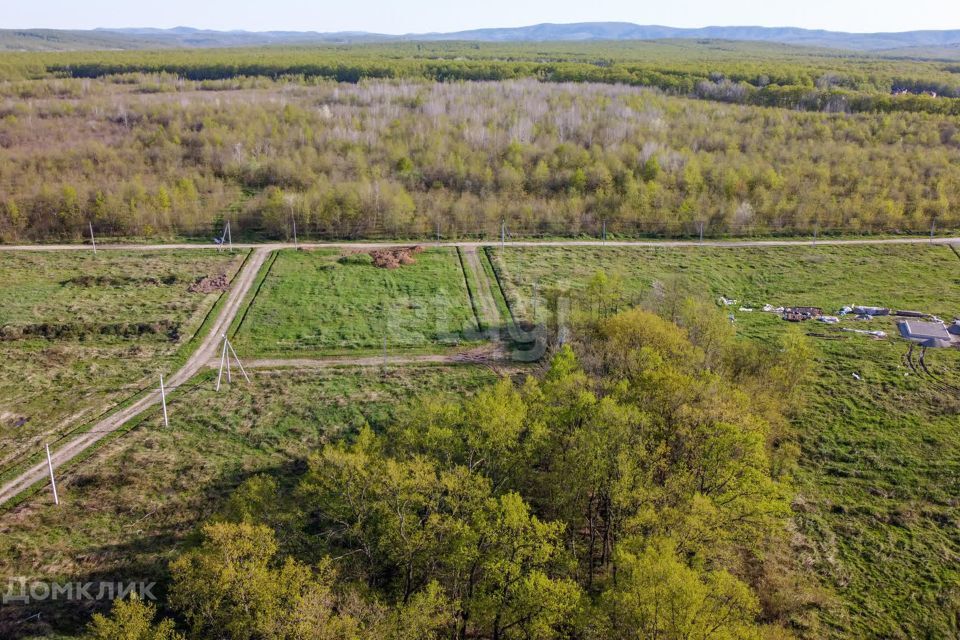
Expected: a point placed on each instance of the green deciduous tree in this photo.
(131, 619)
(657, 595)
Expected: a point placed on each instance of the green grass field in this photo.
(876, 512)
(127, 509)
(901, 276)
(79, 333)
(878, 485)
(323, 303)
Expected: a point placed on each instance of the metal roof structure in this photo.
(928, 334)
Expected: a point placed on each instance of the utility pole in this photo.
(536, 284)
(383, 328)
(700, 224)
(933, 227)
(225, 361)
(226, 237)
(53, 482)
(438, 231)
(503, 233)
(93, 240)
(294, 221)
(237, 358)
(163, 400)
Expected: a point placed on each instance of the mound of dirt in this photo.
(394, 258)
(209, 284)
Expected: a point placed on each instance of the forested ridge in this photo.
(158, 156)
(639, 487)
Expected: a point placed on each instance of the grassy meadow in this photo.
(326, 302)
(926, 278)
(876, 513)
(80, 332)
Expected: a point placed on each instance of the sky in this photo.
(418, 16)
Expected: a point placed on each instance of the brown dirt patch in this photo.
(394, 258)
(209, 284)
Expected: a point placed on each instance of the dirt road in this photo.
(486, 305)
(198, 360)
(478, 244)
(487, 354)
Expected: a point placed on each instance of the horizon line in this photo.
(470, 29)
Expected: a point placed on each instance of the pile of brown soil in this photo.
(393, 258)
(209, 284)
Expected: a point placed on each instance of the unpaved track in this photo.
(484, 296)
(476, 356)
(476, 245)
(326, 363)
(197, 361)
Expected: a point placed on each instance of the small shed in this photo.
(927, 334)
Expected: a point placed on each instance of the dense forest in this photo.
(636, 488)
(746, 73)
(158, 155)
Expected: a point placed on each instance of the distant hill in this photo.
(179, 38)
(185, 37)
(60, 40)
(784, 35)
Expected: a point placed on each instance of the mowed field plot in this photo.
(877, 515)
(133, 504)
(327, 302)
(80, 333)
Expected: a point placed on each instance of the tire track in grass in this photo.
(471, 292)
(249, 304)
(488, 306)
(495, 274)
(482, 355)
